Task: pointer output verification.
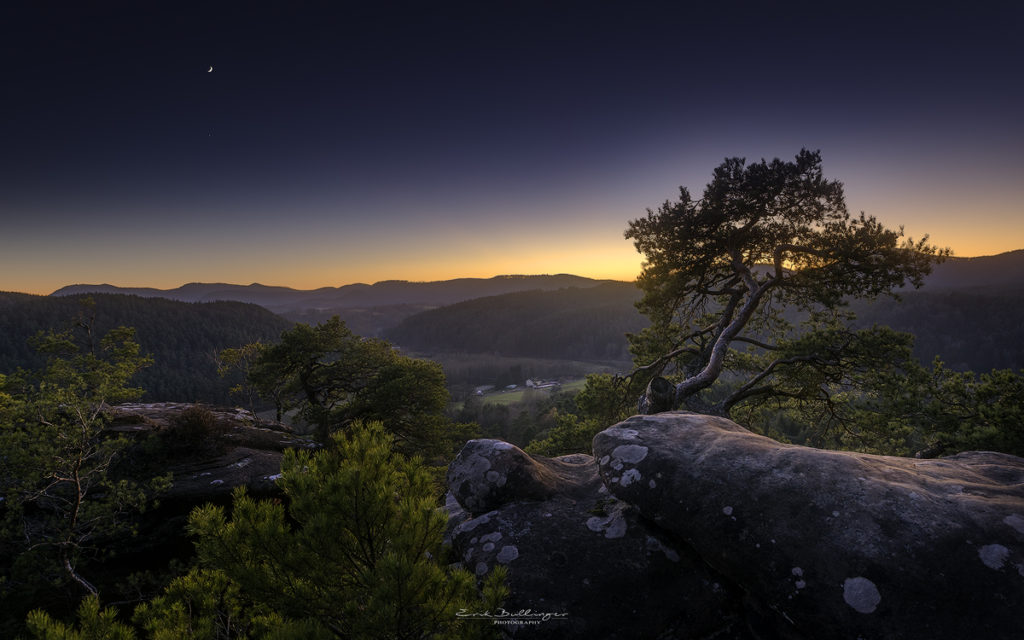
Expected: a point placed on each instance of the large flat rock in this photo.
(833, 544)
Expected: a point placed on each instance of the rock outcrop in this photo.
(575, 552)
(241, 452)
(248, 451)
(698, 528)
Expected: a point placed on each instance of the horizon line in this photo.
(389, 280)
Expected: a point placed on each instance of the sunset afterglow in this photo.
(326, 148)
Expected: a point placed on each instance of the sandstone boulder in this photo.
(578, 553)
(490, 473)
(829, 544)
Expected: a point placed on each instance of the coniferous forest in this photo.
(183, 339)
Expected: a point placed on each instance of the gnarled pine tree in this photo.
(746, 290)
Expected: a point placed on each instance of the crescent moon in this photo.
(210, 70)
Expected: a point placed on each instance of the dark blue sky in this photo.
(348, 142)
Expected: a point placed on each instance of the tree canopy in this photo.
(746, 289)
(333, 377)
(181, 337)
(355, 551)
(61, 497)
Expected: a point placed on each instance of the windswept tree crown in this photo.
(764, 237)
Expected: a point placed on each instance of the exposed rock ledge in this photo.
(244, 452)
(249, 455)
(697, 528)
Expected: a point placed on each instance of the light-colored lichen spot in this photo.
(216, 482)
(727, 510)
(622, 432)
(835, 514)
(994, 555)
(493, 536)
(800, 584)
(496, 478)
(472, 467)
(629, 478)
(797, 571)
(481, 568)
(469, 525)
(861, 594)
(469, 554)
(630, 453)
(613, 526)
(605, 459)
(652, 484)
(616, 528)
(488, 547)
(507, 554)
(653, 544)
(1016, 521)
(500, 445)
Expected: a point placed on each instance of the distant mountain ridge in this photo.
(1001, 270)
(379, 309)
(585, 324)
(970, 313)
(1004, 270)
(285, 300)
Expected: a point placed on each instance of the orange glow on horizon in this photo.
(608, 262)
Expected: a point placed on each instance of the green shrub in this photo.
(195, 430)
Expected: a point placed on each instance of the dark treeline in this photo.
(969, 329)
(182, 338)
(568, 324)
(977, 329)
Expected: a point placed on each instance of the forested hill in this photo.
(389, 292)
(569, 324)
(181, 337)
(977, 329)
(1001, 272)
(367, 309)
